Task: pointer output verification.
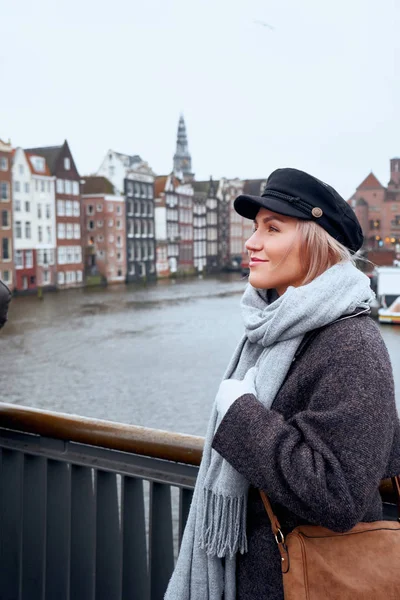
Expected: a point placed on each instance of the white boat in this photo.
(391, 314)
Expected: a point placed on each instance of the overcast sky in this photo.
(317, 87)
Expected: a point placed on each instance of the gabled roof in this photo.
(133, 159)
(46, 171)
(370, 182)
(253, 186)
(96, 184)
(161, 181)
(50, 153)
(159, 185)
(201, 186)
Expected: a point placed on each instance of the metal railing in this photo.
(90, 509)
(85, 506)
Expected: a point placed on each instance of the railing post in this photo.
(34, 528)
(58, 544)
(108, 538)
(11, 479)
(161, 541)
(83, 542)
(135, 572)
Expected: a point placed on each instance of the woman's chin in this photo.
(261, 283)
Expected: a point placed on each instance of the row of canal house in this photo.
(60, 229)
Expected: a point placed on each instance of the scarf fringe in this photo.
(223, 531)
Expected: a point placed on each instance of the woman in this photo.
(306, 411)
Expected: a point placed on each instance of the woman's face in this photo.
(274, 252)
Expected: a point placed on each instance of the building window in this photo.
(89, 209)
(4, 218)
(6, 249)
(19, 259)
(48, 211)
(28, 259)
(18, 230)
(91, 225)
(60, 208)
(61, 278)
(60, 186)
(17, 205)
(79, 276)
(7, 277)
(70, 231)
(26, 188)
(67, 164)
(111, 238)
(28, 230)
(4, 193)
(40, 234)
(78, 254)
(68, 208)
(16, 186)
(46, 277)
(39, 211)
(61, 231)
(375, 224)
(68, 186)
(99, 207)
(77, 209)
(3, 163)
(77, 231)
(137, 189)
(27, 206)
(110, 207)
(48, 232)
(100, 224)
(100, 238)
(150, 192)
(75, 188)
(110, 222)
(119, 209)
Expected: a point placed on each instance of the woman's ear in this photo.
(5, 297)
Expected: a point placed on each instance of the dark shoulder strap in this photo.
(311, 335)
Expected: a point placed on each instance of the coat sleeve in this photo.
(325, 463)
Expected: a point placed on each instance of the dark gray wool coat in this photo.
(332, 433)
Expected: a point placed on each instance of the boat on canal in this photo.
(390, 315)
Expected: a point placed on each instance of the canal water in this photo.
(150, 356)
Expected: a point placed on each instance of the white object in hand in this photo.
(232, 389)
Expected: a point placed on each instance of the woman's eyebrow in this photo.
(267, 219)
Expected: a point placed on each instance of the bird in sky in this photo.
(263, 24)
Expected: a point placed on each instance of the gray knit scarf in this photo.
(216, 527)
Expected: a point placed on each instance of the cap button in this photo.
(317, 212)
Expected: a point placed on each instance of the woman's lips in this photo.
(256, 261)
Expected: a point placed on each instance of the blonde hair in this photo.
(319, 251)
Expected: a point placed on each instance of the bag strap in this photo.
(277, 531)
(276, 527)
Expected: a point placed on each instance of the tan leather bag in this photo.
(360, 564)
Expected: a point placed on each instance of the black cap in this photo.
(297, 194)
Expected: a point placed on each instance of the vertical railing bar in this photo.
(46, 466)
(94, 483)
(21, 529)
(122, 509)
(69, 544)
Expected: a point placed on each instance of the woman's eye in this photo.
(271, 228)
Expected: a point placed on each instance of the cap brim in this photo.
(248, 207)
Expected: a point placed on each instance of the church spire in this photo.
(182, 158)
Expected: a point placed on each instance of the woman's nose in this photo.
(253, 243)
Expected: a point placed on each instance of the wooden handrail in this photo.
(156, 443)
